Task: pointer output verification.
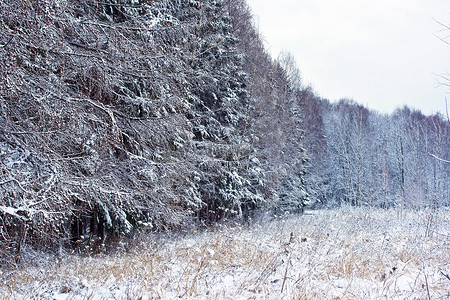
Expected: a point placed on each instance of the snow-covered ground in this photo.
(343, 253)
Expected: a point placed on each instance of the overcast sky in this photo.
(382, 54)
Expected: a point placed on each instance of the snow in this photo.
(346, 253)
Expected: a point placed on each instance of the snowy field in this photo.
(328, 254)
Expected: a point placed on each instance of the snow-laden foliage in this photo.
(120, 113)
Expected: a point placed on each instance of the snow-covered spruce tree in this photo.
(219, 100)
(312, 110)
(292, 190)
(274, 128)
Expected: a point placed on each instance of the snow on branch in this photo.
(440, 159)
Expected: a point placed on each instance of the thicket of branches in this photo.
(121, 114)
(369, 159)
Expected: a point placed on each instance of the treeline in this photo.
(118, 115)
(123, 114)
(370, 159)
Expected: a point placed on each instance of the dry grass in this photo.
(334, 254)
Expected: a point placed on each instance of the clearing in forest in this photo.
(346, 253)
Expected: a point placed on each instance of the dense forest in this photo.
(121, 115)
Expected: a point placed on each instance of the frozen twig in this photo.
(288, 262)
(440, 159)
(426, 283)
(6, 44)
(445, 275)
(438, 233)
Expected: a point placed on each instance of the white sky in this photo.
(383, 54)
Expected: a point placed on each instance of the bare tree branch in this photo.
(440, 159)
